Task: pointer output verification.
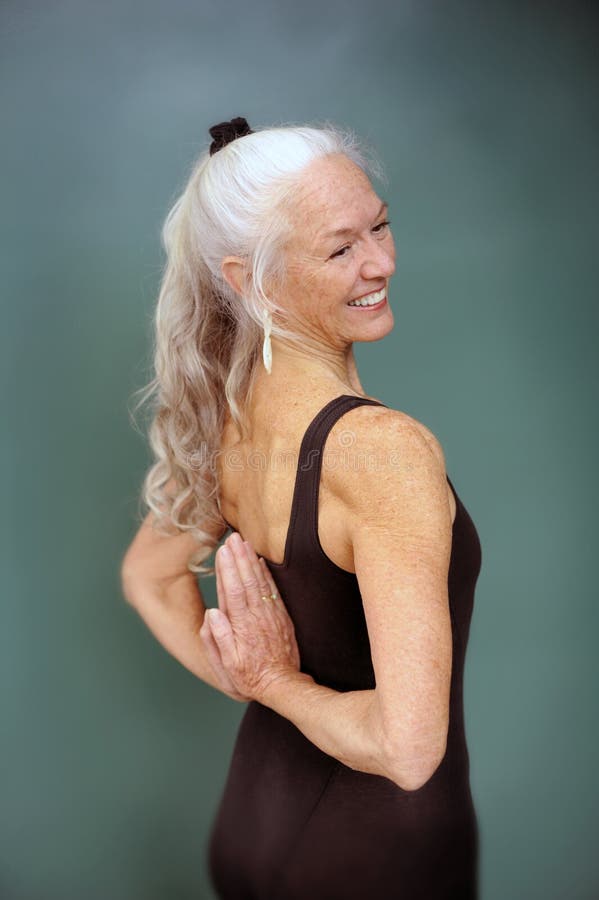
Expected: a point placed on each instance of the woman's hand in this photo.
(250, 641)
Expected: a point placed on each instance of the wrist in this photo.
(276, 691)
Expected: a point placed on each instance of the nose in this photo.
(379, 259)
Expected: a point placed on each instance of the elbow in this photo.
(415, 778)
(129, 576)
(138, 590)
(413, 773)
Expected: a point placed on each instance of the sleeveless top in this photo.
(294, 822)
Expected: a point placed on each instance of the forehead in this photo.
(334, 193)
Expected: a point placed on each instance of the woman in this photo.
(345, 590)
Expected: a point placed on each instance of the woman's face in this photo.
(341, 249)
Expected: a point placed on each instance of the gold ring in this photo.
(268, 597)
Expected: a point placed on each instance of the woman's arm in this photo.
(400, 526)
(156, 582)
(345, 725)
(175, 617)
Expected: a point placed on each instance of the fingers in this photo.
(265, 587)
(220, 591)
(272, 587)
(231, 585)
(221, 630)
(244, 582)
(265, 600)
(256, 637)
(214, 657)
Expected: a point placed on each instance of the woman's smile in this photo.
(370, 301)
(370, 306)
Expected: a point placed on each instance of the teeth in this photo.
(370, 300)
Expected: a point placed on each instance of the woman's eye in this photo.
(340, 252)
(377, 228)
(381, 225)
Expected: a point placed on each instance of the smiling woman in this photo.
(320, 282)
(349, 777)
(247, 239)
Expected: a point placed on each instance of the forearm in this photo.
(175, 617)
(345, 725)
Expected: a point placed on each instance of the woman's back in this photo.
(257, 476)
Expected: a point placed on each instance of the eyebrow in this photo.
(339, 232)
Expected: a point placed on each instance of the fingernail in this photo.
(224, 551)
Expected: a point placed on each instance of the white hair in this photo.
(208, 339)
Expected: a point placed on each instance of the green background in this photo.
(484, 114)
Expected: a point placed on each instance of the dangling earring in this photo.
(266, 347)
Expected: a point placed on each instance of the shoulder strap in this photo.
(303, 524)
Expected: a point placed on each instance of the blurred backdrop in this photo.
(484, 114)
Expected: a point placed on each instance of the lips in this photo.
(377, 296)
(378, 305)
(370, 293)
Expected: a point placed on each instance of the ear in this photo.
(236, 274)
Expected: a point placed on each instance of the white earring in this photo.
(266, 347)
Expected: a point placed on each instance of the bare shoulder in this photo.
(398, 426)
(387, 437)
(392, 464)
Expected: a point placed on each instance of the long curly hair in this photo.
(207, 338)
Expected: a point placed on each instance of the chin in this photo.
(374, 330)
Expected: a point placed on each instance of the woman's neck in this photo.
(295, 370)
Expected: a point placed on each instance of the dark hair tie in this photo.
(225, 132)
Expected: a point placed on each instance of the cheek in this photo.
(302, 272)
(335, 286)
(343, 280)
(320, 286)
(309, 280)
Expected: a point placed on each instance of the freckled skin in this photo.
(322, 275)
(335, 193)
